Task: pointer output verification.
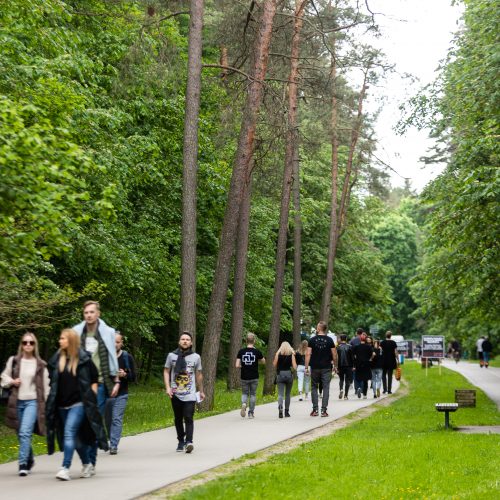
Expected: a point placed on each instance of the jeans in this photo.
(320, 375)
(285, 383)
(486, 358)
(376, 379)
(72, 419)
(249, 391)
(102, 396)
(27, 417)
(357, 383)
(183, 414)
(304, 379)
(345, 378)
(387, 379)
(115, 408)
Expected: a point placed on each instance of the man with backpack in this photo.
(115, 407)
(344, 354)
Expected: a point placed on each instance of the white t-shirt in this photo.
(479, 345)
(184, 383)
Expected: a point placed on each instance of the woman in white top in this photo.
(27, 376)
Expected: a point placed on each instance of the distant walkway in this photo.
(148, 461)
(487, 379)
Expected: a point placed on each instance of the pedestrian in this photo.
(98, 339)
(377, 368)
(183, 378)
(390, 361)
(115, 407)
(362, 354)
(304, 380)
(487, 348)
(321, 359)
(479, 348)
(73, 417)
(346, 362)
(28, 379)
(284, 361)
(248, 360)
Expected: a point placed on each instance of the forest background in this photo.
(92, 120)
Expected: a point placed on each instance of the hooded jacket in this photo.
(92, 428)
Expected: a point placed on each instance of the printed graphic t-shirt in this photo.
(321, 355)
(249, 357)
(184, 383)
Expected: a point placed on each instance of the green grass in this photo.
(401, 451)
(148, 409)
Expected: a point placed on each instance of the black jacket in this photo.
(92, 428)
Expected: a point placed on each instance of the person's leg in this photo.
(178, 418)
(288, 388)
(252, 389)
(188, 415)
(281, 391)
(384, 379)
(300, 379)
(72, 419)
(307, 384)
(26, 416)
(341, 379)
(326, 377)
(115, 434)
(244, 391)
(348, 380)
(102, 396)
(389, 380)
(486, 359)
(364, 387)
(315, 378)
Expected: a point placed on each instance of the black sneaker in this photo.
(23, 470)
(113, 451)
(189, 447)
(280, 413)
(341, 394)
(31, 464)
(250, 414)
(180, 447)
(287, 413)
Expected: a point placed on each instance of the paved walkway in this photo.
(148, 461)
(487, 379)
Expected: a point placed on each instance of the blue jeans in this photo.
(26, 416)
(376, 379)
(72, 419)
(102, 396)
(116, 408)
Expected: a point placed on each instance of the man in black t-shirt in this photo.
(248, 360)
(390, 361)
(322, 358)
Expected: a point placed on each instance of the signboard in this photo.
(410, 349)
(374, 329)
(402, 347)
(432, 346)
(465, 397)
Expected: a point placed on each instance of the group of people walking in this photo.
(77, 399)
(315, 361)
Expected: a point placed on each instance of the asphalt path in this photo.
(148, 461)
(487, 379)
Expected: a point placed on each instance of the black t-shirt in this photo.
(300, 359)
(249, 357)
(284, 362)
(388, 357)
(321, 355)
(68, 390)
(362, 354)
(126, 362)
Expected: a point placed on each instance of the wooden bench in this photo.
(446, 408)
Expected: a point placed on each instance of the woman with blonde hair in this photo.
(73, 417)
(27, 377)
(284, 361)
(304, 379)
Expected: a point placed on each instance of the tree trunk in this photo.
(240, 271)
(187, 320)
(246, 139)
(291, 141)
(297, 251)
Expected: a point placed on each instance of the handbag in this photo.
(398, 373)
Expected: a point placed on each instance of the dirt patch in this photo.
(282, 447)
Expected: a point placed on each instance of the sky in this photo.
(416, 36)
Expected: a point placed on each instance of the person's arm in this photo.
(275, 360)
(335, 359)
(262, 361)
(94, 388)
(396, 356)
(238, 363)
(308, 358)
(199, 384)
(166, 379)
(294, 362)
(6, 377)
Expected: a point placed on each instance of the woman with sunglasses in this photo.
(27, 376)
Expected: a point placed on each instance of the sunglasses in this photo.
(28, 342)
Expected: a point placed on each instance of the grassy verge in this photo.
(402, 451)
(148, 409)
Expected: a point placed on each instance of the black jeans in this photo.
(183, 414)
(345, 375)
(387, 379)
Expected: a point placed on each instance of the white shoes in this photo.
(63, 474)
(87, 470)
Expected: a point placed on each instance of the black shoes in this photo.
(180, 447)
(287, 413)
(280, 413)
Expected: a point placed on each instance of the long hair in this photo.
(302, 349)
(285, 349)
(70, 354)
(36, 353)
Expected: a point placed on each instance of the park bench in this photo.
(446, 408)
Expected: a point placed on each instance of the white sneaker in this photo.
(92, 470)
(86, 470)
(63, 474)
(243, 411)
